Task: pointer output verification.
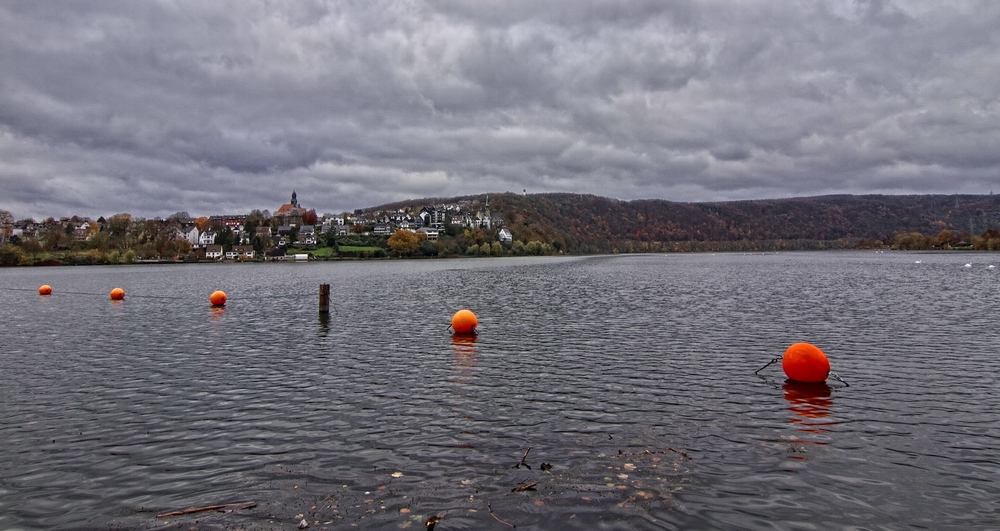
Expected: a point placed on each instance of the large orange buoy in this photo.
(805, 363)
(45, 290)
(464, 322)
(117, 294)
(218, 298)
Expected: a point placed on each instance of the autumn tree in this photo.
(944, 238)
(120, 231)
(310, 217)
(912, 241)
(404, 242)
(203, 223)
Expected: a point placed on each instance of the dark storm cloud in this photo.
(156, 107)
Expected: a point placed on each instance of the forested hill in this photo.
(587, 223)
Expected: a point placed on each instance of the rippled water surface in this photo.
(632, 376)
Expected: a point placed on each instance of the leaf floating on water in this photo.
(397, 474)
(629, 466)
(404, 510)
(539, 503)
(432, 521)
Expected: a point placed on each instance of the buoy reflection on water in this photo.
(809, 402)
(465, 352)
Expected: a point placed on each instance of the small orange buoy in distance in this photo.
(804, 362)
(218, 298)
(464, 322)
(45, 290)
(117, 294)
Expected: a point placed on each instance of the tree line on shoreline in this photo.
(122, 239)
(583, 224)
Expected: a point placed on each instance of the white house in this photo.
(191, 235)
(243, 252)
(505, 236)
(213, 251)
(307, 235)
(207, 238)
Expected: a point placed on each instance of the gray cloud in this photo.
(155, 107)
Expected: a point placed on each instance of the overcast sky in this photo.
(213, 107)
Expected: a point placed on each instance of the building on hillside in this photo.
(307, 235)
(284, 234)
(207, 238)
(290, 213)
(430, 233)
(83, 231)
(213, 251)
(246, 252)
(433, 217)
(505, 236)
(191, 235)
(234, 223)
(240, 252)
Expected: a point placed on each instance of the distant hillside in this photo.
(587, 223)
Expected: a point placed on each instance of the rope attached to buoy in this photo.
(775, 360)
(839, 379)
(779, 358)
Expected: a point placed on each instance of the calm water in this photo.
(632, 376)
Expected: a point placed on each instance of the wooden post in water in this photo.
(324, 298)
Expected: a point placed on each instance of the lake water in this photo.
(632, 376)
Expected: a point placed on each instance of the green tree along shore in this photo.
(558, 223)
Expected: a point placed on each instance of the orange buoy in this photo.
(464, 322)
(45, 290)
(804, 362)
(117, 294)
(218, 298)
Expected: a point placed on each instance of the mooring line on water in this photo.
(839, 379)
(63, 292)
(775, 360)
(19, 289)
(287, 296)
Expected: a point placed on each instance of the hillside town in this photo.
(509, 224)
(291, 232)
